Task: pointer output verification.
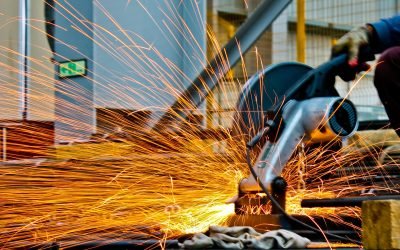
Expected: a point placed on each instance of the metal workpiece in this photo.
(230, 54)
(314, 120)
(346, 201)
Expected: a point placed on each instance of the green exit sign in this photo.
(72, 68)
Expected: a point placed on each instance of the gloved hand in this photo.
(351, 43)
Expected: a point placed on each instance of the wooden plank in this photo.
(381, 224)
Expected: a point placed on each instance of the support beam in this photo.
(230, 54)
(301, 31)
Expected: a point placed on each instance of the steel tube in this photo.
(301, 31)
(345, 201)
(23, 50)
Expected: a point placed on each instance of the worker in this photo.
(379, 37)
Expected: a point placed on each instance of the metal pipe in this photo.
(345, 201)
(301, 31)
(230, 54)
(23, 56)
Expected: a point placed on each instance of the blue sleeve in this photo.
(388, 33)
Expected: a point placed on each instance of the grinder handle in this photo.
(320, 82)
(346, 72)
(323, 83)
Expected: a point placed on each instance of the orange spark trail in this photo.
(132, 184)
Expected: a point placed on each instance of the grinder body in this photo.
(309, 121)
(294, 104)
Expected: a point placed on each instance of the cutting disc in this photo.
(262, 92)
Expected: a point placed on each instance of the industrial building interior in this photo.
(168, 124)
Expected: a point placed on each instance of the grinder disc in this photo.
(261, 93)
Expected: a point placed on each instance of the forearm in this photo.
(384, 34)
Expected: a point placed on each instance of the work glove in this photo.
(351, 44)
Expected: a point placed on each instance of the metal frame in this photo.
(23, 48)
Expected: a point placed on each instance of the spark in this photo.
(131, 183)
